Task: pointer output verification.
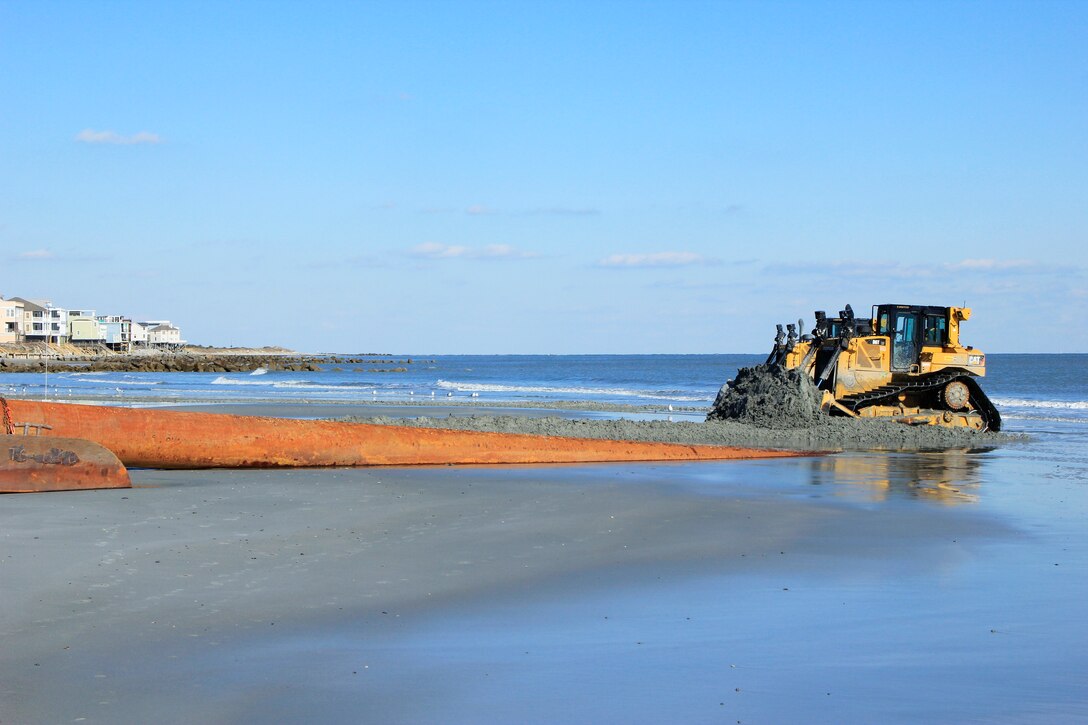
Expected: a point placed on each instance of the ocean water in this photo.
(1033, 392)
(625, 379)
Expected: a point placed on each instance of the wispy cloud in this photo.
(564, 211)
(66, 257)
(34, 255)
(89, 135)
(654, 259)
(434, 250)
(991, 265)
(505, 251)
(485, 210)
(899, 270)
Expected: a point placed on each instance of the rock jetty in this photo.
(195, 362)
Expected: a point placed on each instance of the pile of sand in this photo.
(768, 396)
(827, 434)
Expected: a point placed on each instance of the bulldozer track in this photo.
(926, 384)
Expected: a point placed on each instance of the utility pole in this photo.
(48, 332)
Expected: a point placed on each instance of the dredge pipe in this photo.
(31, 464)
(152, 438)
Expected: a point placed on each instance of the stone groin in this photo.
(196, 363)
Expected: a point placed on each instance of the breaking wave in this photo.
(118, 383)
(573, 390)
(290, 384)
(1055, 411)
(1049, 404)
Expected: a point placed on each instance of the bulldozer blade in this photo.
(175, 439)
(30, 464)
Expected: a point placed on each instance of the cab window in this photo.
(904, 328)
(936, 330)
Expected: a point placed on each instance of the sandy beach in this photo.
(543, 363)
(858, 587)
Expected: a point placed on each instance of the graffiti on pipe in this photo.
(55, 456)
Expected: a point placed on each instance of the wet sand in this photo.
(109, 594)
(898, 587)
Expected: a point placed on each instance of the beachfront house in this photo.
(117, 331)
(161, 333)
(43, 322)
(137, 334)
(84, 328)
(11, 321)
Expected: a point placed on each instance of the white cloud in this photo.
(88, 135)
(479, 210)
(434, 250)
(654, 259)
(564, 211)
(988, 265)
(504, 251)
(35, 254)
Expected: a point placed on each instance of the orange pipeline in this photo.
(173, 439)
(30, 464)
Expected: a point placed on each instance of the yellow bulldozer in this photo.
(906, 363)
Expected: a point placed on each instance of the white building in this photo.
(42, 321)
(138, 334)
(161, 333)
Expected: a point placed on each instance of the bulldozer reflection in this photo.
(949, 477)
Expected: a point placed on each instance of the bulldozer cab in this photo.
(909, 328)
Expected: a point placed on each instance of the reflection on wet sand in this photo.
(949, 477)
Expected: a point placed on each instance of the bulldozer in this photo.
(906, 363)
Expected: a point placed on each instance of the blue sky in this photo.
(546, 177)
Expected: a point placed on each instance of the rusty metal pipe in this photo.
(30, 464)
(174, 439)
